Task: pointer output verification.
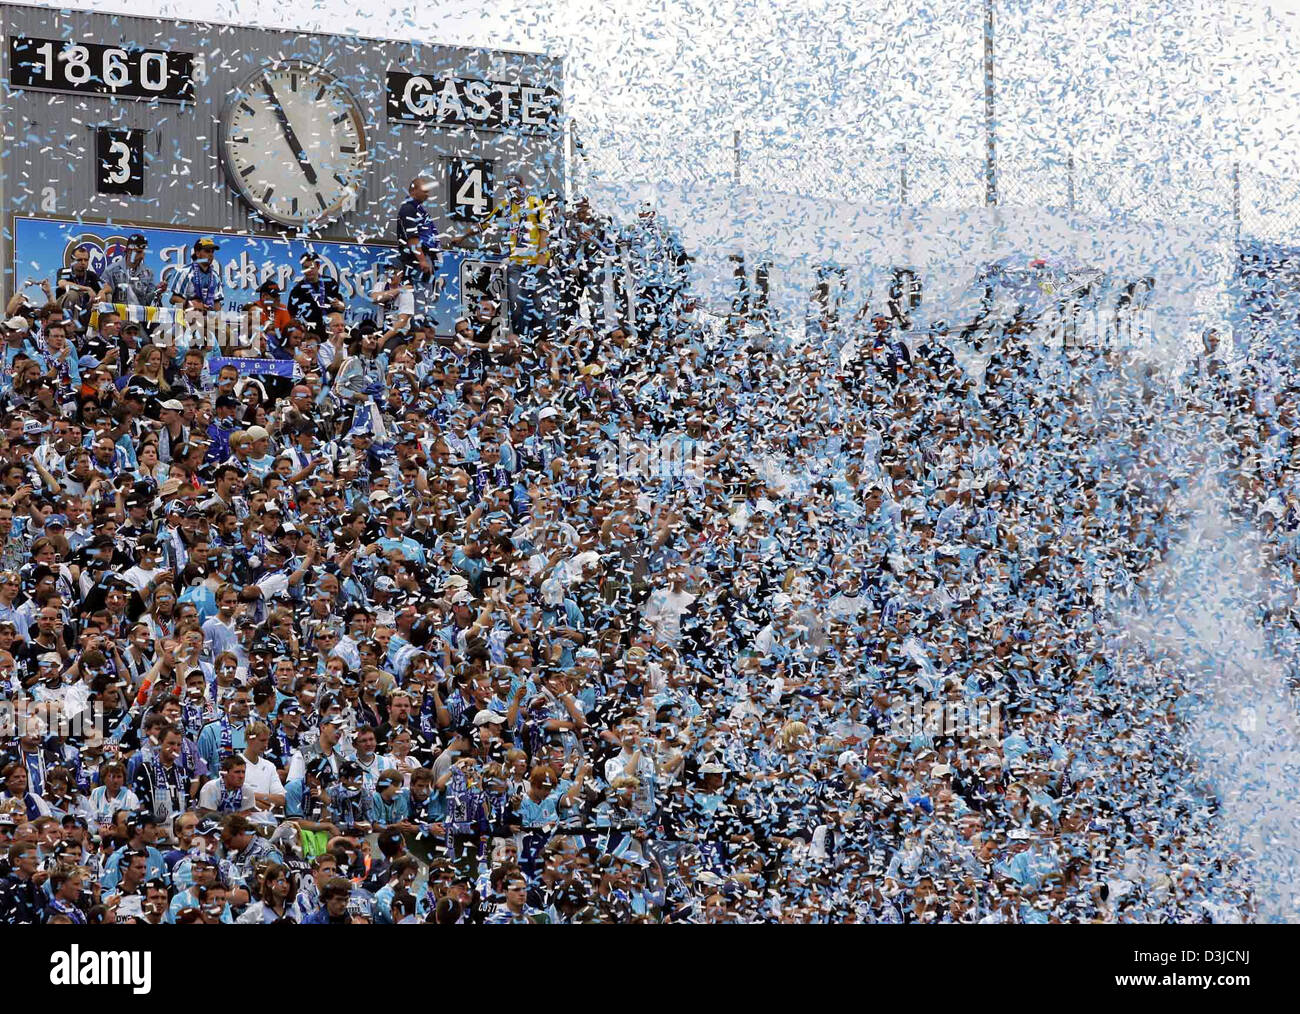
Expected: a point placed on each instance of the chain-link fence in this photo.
(1235, 198)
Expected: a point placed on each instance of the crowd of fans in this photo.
(436, 630)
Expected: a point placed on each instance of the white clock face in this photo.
(294, 145)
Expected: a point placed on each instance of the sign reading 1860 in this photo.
(89, 68)
(468, 102)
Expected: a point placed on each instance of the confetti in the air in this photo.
(672, 462)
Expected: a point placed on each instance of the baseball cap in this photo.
(270, 285)
(59, 520)
(487, 717)
(320, 768)
(137, 239)
(257, 433)
(386, 584)
(351, 769)
(16, 323)
(310, 257)
(172, 405)
(206, 243)
(141, 819)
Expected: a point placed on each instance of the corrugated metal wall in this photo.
(48, 145)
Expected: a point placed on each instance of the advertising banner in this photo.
(44, 246)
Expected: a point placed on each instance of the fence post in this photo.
(1236, 201)
(735, 144)
(990, 151)
(902, 176)
(1069, 180)
(568, 163)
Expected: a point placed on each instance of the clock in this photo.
(294, 144)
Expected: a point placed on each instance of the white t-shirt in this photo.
(273, 584)
(140, 578)
(261, 777)
(664, 610)
(210, 796)
(403, 305)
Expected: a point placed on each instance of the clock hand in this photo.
(289, 135)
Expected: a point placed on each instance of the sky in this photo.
(826, 93)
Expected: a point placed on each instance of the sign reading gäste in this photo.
(469, 102)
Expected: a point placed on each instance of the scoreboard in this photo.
(283, 138)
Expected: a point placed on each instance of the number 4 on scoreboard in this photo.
(469, 188)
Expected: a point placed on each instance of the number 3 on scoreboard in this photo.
(469, 187)
(119, 161)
